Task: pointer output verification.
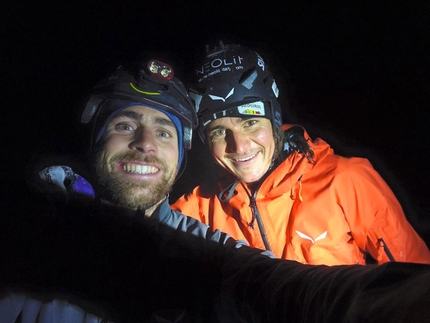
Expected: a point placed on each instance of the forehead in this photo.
(143, 111)
(227, 122)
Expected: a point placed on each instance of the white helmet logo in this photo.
(260, 63)
(216, 97)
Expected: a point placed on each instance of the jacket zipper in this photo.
(256, 215)
(387, 251)
(252, 203)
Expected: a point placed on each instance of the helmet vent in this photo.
(248, 83)
(246, 74)
(266, 79)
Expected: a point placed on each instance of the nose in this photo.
(144, 141)
(237, 142)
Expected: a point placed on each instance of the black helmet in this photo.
(150, 83)
(234, 81)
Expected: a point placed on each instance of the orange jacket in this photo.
(331, 212)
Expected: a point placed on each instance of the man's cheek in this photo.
(105, 162)
(109, 165)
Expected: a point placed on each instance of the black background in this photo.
(356, 75)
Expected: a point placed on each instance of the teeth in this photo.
(245, 159)
(140, 169)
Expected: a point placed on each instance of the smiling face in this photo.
(243, 146)
(138, 161)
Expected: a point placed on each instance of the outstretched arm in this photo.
(135, 268)
(275, 290)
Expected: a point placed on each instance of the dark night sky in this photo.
(356, 75)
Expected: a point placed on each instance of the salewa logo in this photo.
(216, 97)
(260, 62)
(304, 236)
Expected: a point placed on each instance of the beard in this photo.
(128, 192)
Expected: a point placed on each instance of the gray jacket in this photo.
(181, 222)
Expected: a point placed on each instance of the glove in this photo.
(61, 182)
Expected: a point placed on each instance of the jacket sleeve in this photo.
(276, 290)
(189, 204)
(183, 223)
(375, 216)
(130, 269)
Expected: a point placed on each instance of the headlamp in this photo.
(160, 70)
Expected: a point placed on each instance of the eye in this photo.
(217, 133)
(164, 134)
(122, 127)
(250, 122)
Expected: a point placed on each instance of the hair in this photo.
(293, 139)
(279, 137)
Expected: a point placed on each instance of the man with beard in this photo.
(141, 130)
(128, 168)
(140, 119)
(127, 257)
